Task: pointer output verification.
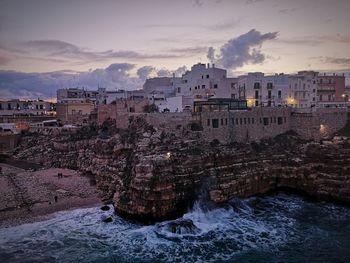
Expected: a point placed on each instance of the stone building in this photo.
(228, 125)
(74, 112)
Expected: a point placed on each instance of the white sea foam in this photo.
(250, 226)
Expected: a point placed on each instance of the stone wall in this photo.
(245, 126)
(319, 123)
(259, 123)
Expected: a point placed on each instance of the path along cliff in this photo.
(153, 174)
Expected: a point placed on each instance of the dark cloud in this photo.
(180, 71)
(164, 73)
(15, 84)
(57, 49)
(241, 50)
(145, 72)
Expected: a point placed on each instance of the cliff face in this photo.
(152, 175)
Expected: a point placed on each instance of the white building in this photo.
(302, 89)
(203, 82)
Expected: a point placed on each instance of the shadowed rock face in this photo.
(151, 175)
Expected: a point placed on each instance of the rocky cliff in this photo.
(154, 175)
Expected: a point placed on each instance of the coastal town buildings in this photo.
(26, 108)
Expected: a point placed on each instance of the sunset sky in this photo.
(85, 42)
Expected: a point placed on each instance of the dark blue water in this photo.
(278, 228)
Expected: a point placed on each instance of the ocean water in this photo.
(277, 228)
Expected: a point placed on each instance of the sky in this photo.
(49, 44)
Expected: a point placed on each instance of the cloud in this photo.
(145, 71)
(250, 2)
(189, 50)
(224, 25)
(15, 84)
(180, 71)
(4, 59)
(241, 50)
(197, 3)
(337, 38)
(288, 10)
(334, 60)
(164, 73)
(305, 41)
(63, 52)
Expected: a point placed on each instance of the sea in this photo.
(280, 227)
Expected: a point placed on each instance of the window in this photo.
(207, 76)
(240, 121)
(208, 122)
(269, 94)
(9, 106)
(279, 94)
(245, 120)
(232, 120)
(269, 85)
(256, 85)
(256, 103)
(203, 86)
(178, 89)
(215, 86)
(222, 122)
(257, 94)
(253, 120)
(266, 121)
(236, 121)
(274, 119)
(225, 121)
(279, 121)
(215, 123)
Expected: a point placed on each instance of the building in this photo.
(203, 82)
(261, 90)
(330, 88)
(302, 92)
(26, 108)
(78, 95)
(74, 111)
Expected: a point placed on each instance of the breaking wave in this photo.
(277, 228)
